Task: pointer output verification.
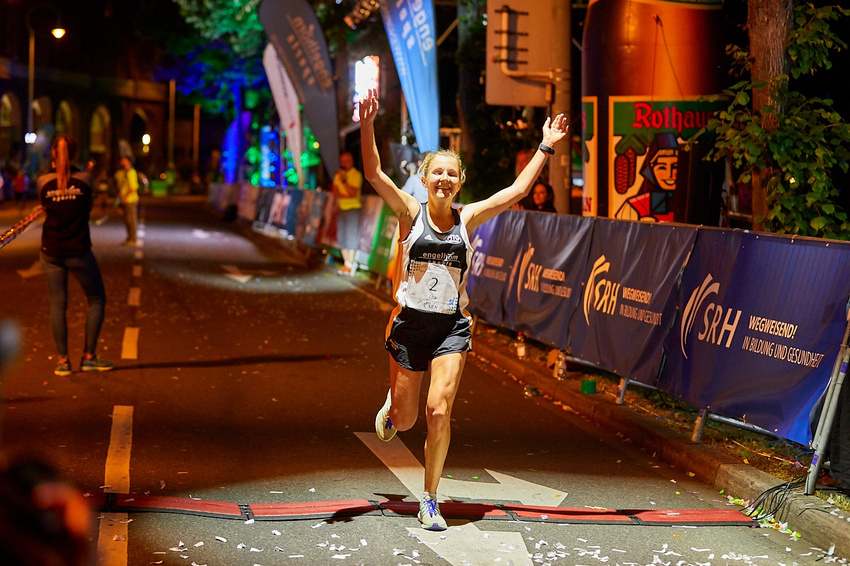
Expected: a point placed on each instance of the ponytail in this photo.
(64, 149)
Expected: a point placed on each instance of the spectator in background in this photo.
(347, 184)
(415, 185)
(542, 197)
(127, 182)
(66, 195)
(19, 186)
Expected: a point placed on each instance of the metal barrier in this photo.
(20, 226)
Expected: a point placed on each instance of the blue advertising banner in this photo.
(761, 320)
(546, 276)
(413, 41)
(293, 29)
(495, 243)
(628, 304)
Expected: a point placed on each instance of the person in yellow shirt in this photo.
(348, 182)
(127, 181)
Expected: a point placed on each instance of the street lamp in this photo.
(58, 32)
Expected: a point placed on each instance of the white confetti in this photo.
(241, 545)
(312, 490)
(255, 549)
(249, 522)
(341, 556)
(276, 533)
(278, 549)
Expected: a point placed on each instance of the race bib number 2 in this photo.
(432, 287)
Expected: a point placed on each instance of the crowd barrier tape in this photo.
(20, 226)
(742, 324)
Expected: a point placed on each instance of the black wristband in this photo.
(546, 149)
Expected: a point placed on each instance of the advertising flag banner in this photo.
(495, 243)
(286, 102)
(628, 304)
(293, 29)
(546, 276)
(761, 320)
(412, 34)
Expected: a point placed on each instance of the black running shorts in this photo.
(416, 337)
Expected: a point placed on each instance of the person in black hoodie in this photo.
(66, 194)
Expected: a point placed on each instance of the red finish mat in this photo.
(450, 510)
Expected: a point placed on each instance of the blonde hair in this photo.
(429, 157)
(64, 149)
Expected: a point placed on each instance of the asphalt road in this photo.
(246, 374)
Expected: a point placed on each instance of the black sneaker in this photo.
(95, 364)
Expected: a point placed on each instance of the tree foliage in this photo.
(803, 141)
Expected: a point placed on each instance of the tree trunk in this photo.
(769, 22)
(466, 12)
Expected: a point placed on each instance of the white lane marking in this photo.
(117, 477)
(404, 465)
(137, 271)
(113, 532)
(134, 297)
(130, 344)
(467, 545)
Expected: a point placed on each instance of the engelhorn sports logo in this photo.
(602, 294)
(711, 317)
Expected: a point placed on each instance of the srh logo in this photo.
(600, 295)
(717, 321)
(453, 239)
(477, 257)
(529, 273)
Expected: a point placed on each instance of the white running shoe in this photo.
(429, 515)
(383, 425)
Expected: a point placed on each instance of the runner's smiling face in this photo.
(443, 177)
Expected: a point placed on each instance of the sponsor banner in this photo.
(412, 35)
(495, 243)
(299, 41)
(628, 304)
(384, 241)
(761, 320)
(286, 103)
(545, 279)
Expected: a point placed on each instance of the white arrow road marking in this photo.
(32, 271)
(465, 544)
(241, 276)
(236, 274)
(404, 465)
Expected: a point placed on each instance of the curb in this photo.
(819, 525)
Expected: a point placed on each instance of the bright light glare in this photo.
(58, 33)
(367, 74)
(146, 139)
(30, 137)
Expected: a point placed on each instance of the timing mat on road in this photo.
(346, 509)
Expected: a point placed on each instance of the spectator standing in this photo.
(415, 185)
(542, 197)
(66, 195)
(347, 185)
(127, 182)
(19, 186)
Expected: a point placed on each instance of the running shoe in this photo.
(63, 368)
(95, 364)
(383, 425)
(429, 515)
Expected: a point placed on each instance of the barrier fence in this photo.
(740, 324)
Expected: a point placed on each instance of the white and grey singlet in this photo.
(433, 267)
